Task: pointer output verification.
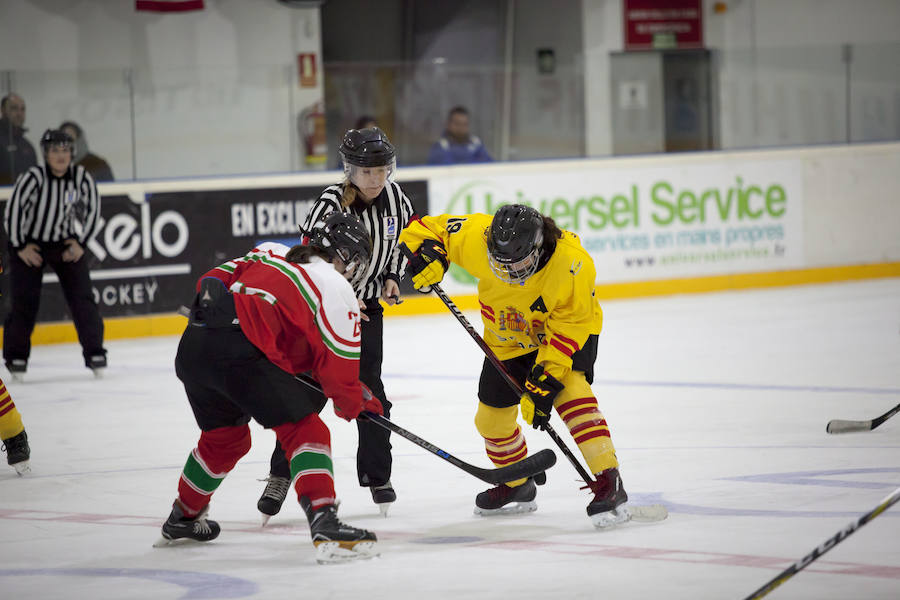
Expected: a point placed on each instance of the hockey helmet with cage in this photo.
(514, 243)
(367, 148)
(56, 138)
(341, 235)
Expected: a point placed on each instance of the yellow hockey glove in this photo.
(429, 265)
(541, 389)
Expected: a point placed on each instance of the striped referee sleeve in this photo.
(19, 210)
(329, 201)
(88, 192)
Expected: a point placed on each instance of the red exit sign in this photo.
(653, 24)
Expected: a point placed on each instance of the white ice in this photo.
(717, 404)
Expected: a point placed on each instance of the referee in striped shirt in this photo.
(369, 193)
(52, 214)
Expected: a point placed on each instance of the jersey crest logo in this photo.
(576, 266)
(512, 320)
(390, 228)
(538, 306)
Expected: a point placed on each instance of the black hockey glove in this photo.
(541, 389)
(429, 265)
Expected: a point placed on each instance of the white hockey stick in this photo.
(844, 426)
(825, 546)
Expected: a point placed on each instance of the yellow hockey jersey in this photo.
(553, 311)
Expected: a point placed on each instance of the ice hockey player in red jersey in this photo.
(256, 321)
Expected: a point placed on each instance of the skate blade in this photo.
(383, 508)
(328, 553)
(611, 518)
(98, 373)
(18, 377)
(265, 519)
(164, 542)
(22, 468)
(650, 513)
(518, 509)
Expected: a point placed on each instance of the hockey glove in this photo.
(429, 265)
(371, 403)
(536, 403)
(350, 409)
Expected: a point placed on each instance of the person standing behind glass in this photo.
(81, 154)
(369, 193)
(53, 212)
(17, 155)
(458, 145)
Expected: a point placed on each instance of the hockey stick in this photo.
(825, 546)
(655, 512)
(532, 465)
(842, 426)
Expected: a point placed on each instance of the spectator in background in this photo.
(53, 213)
(458, 145)
(81, 155)
(17, 154)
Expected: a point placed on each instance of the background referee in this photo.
(52, 214)
(367, 192)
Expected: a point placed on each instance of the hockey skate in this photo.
(608, 506)
(18, 452)
(335, 541)
(17, 368)
(97, 364)
(273, 496)
(383, 495)
(180, 527)
(495, 500)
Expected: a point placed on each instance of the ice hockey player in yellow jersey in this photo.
(541, 318)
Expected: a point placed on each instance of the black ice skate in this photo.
(180, 527)
(17, 368)
(336, 541)
(495, 500)
(18, 452)
(97, 364)
(273, 496)
(608, 506)
(383, 495)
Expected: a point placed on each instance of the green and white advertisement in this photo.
(653, 223)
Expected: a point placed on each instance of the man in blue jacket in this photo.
(457, 145)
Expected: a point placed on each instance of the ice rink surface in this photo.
(717, 405)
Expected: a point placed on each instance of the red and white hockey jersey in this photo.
(303, 317)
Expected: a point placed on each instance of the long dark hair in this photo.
(300, 254)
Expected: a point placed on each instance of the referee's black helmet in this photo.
(367, 148)
(55, 137)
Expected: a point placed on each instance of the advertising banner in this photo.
(151, 249)
(653, 222)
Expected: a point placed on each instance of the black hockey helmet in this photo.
(55, 137)
(367, 148)
(341, 235)
(514, 243)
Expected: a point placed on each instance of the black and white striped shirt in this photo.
(388, 214)
(46, 208)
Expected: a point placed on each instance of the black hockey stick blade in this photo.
(527, 467)
(825, 546)
(847, 426)
(531, 465)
